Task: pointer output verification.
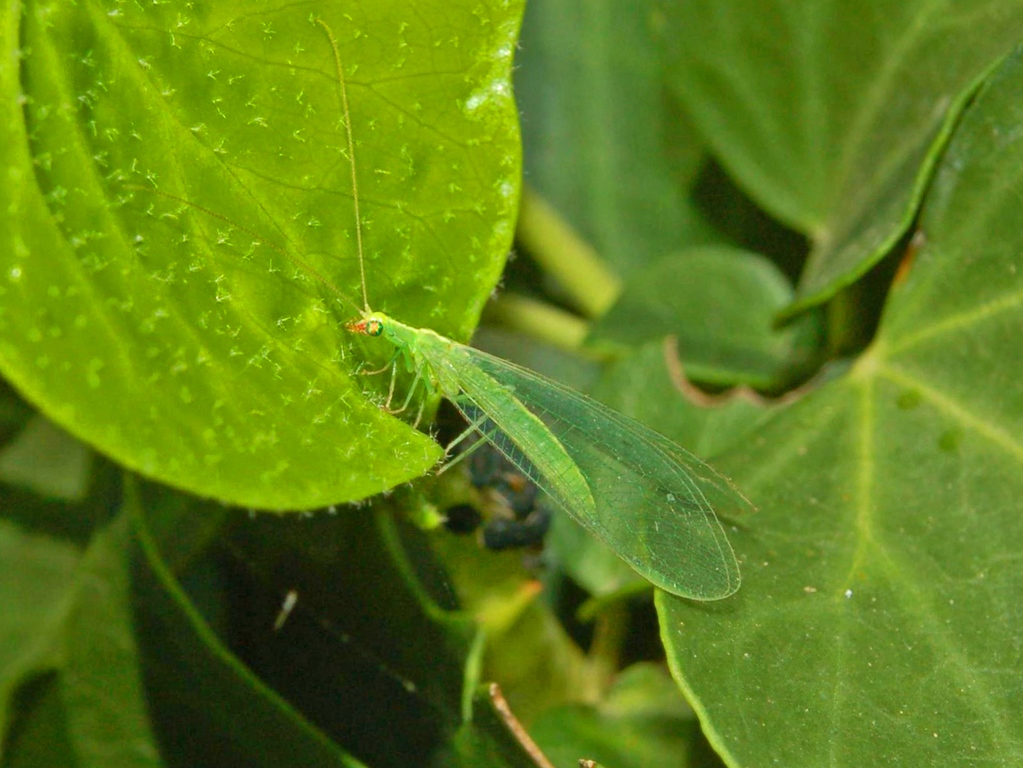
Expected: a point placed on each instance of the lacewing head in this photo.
(367, 326)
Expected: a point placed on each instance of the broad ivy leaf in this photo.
(878, 622)
(179, 236)
(831, 112)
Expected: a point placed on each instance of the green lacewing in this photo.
(646, 498)
(650, 501)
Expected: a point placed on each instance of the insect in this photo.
(646, 498)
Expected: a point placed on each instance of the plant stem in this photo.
(538, 320)
(560, 250)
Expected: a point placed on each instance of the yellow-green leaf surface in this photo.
(161, 164)
(879, 620)
(830, 112)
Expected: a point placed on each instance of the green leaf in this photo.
(650, 386)
(14, 412)
(831, 113)
(380, 624)
(39, 737)
(604, 144)
(719, 303)
(878, 621)
(206, 705)
(47, 460)
(71, 614)
(101, 680)
(178, 214)
(373, 662)
(35, 585)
